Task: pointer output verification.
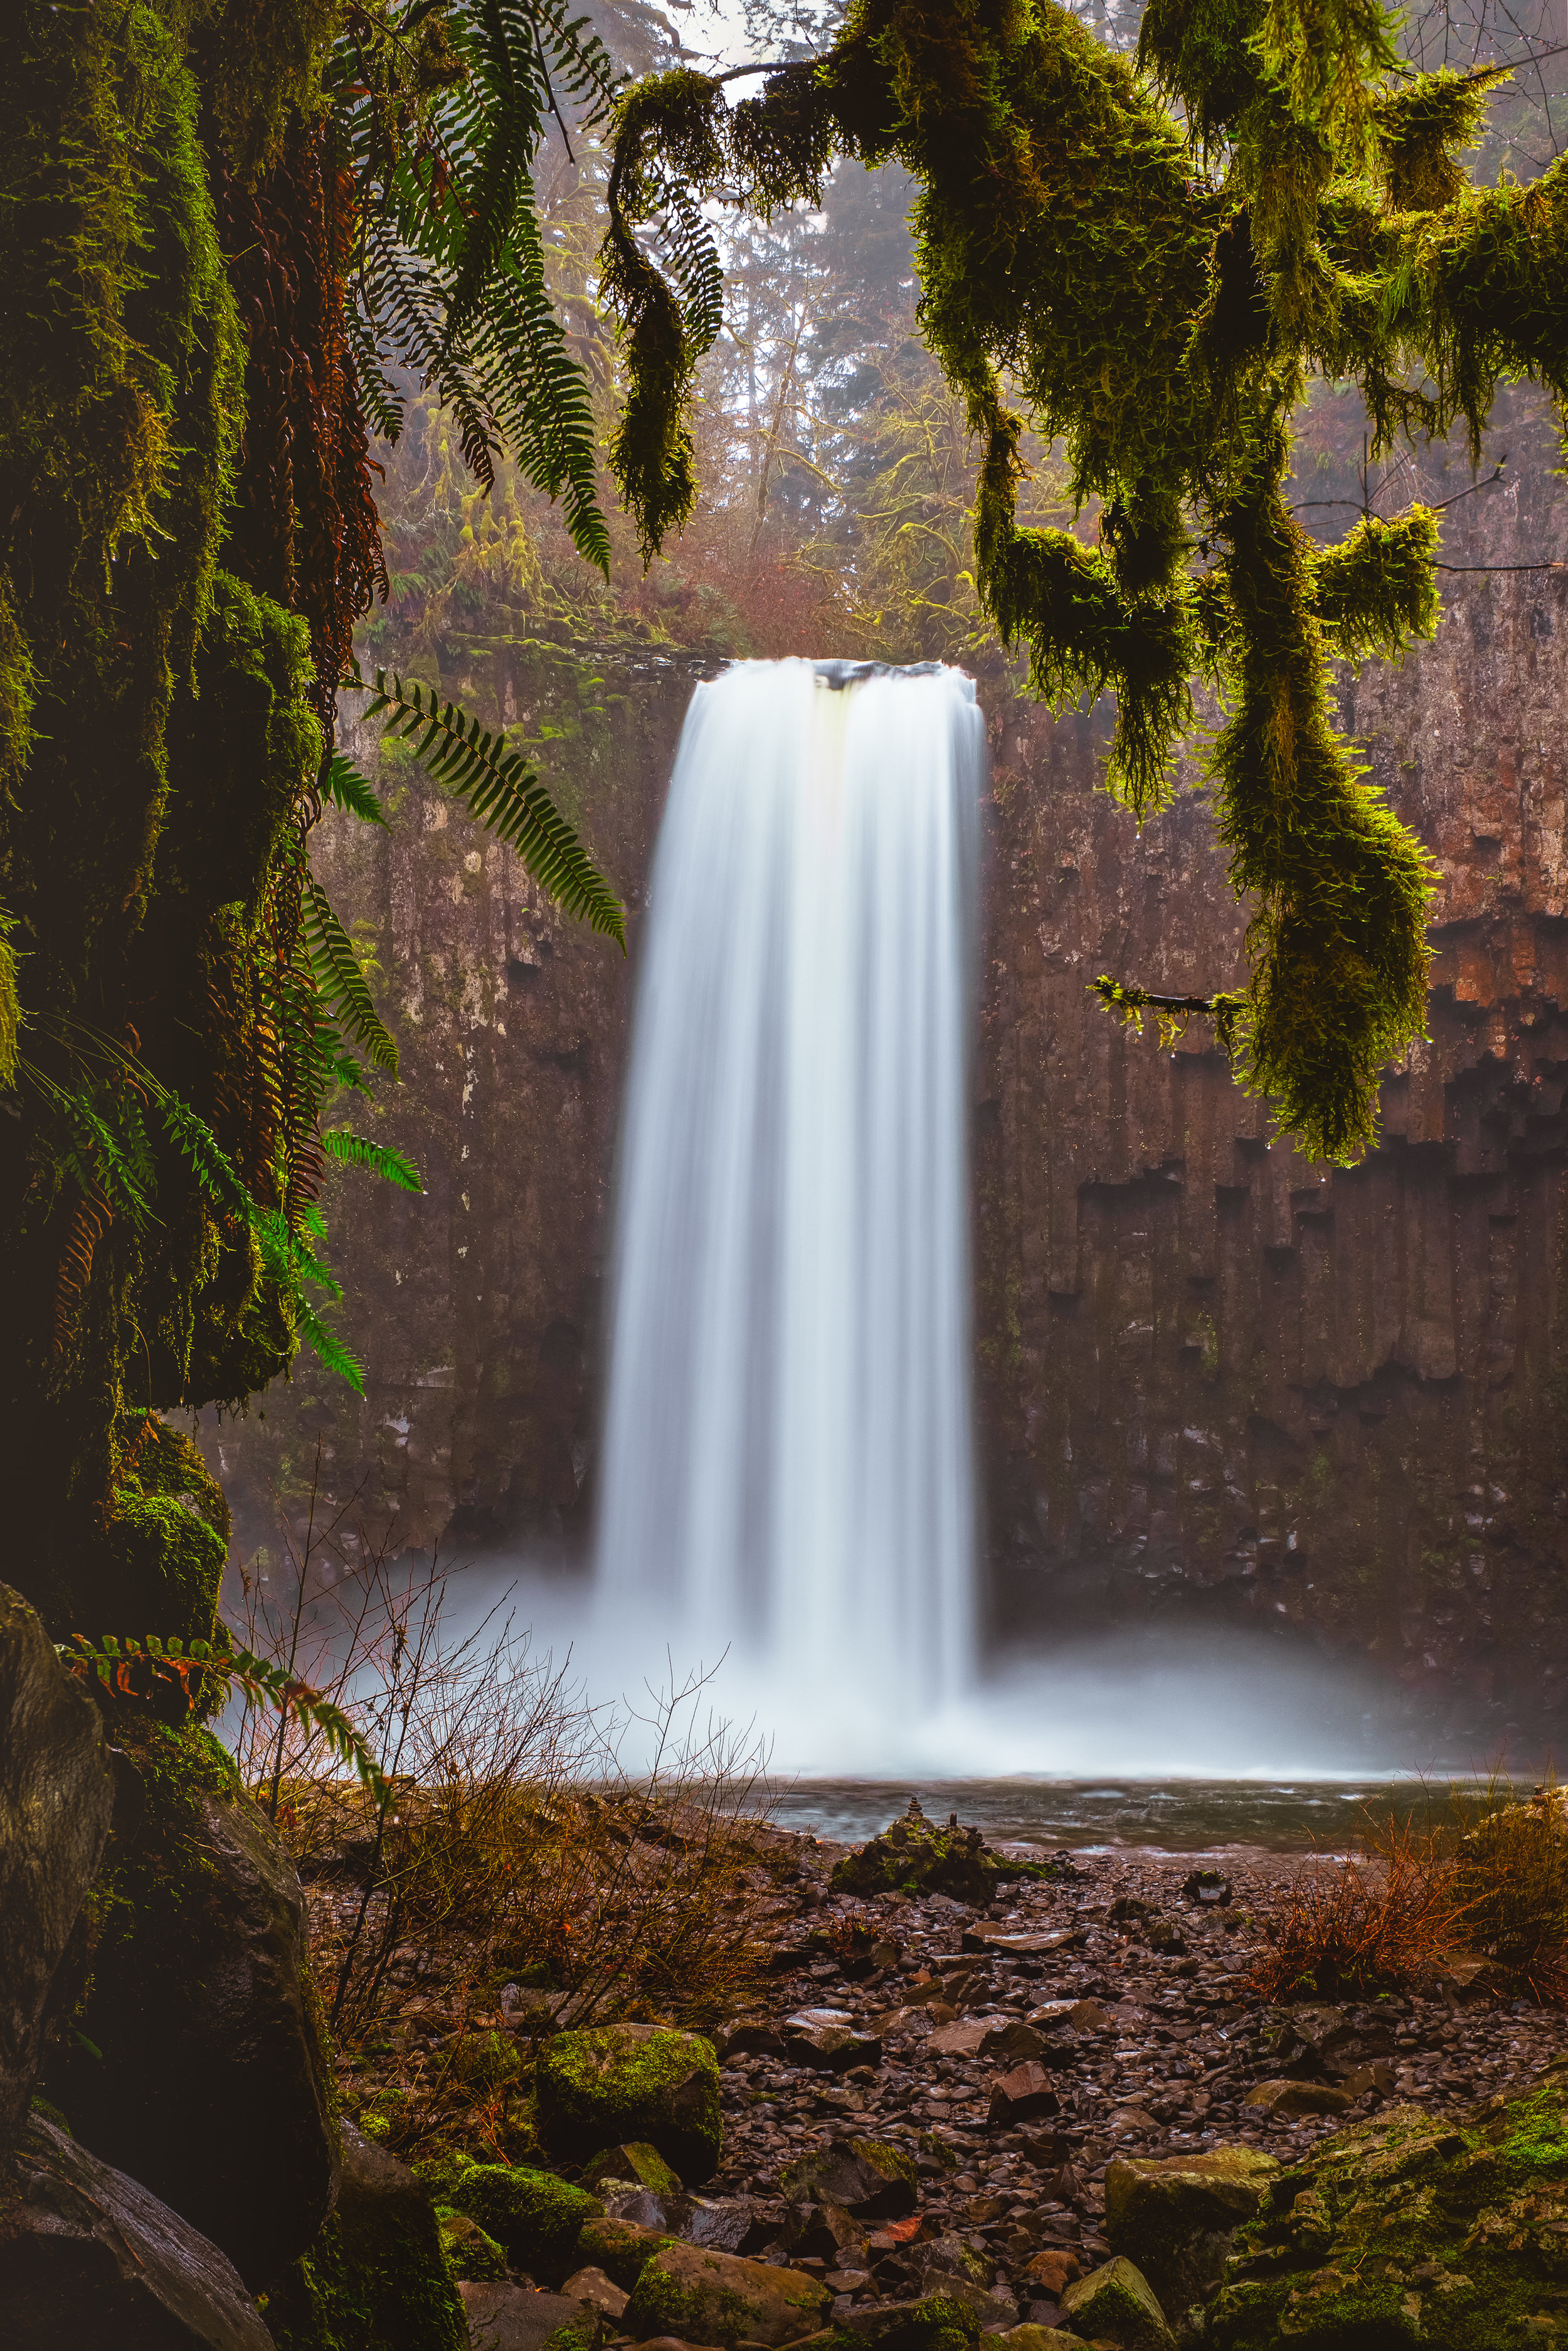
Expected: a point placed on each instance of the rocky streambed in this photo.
(967, 2113)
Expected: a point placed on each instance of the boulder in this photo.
(1117, 2304)
(57, 1794)
(1175, 2216)
(939, 2323)
(1415, 2227)
(962, 2038)
(207, 2077)
(1029, 2337)
(730, 2224)
(638, 2162)
(826, 2232)
(513, 2318)
(874, 2182)
(1013, 2044)
(719, 2298)
(89, 2261)
(376, 2278)
(468, 2251)
(597, 2292)
(625, 2084)
(538, 2218)
(620, 2248)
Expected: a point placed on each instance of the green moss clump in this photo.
(620, 2248)
(536, 2217)
(468, 2251)
(625, 2083)
(916, 1855)
(376, 2279)
(1411, 2227)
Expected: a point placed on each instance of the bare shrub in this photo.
(539, 1860)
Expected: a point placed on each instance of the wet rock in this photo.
(719, 2298)
(1031, 2337)
(1023, 1942)
(1377, 2075)
(825, 2232)
(874, 2182)
(599, 2292)
(57, 1794)
(623, 2200)
(469, 2253)
(747, 2037)
(1420, 2228)
(729, 2224)
(1012, 2044)
(538, 2218)
(376, 2277)
(206, 2078)
(826, 2040)
(1206, 1889)
(639, 2163)
(89, 2261)
(1177, 2216)
(626, 2084)
(1021, 2096)
(1115, 2303)
(620, 2248)
(512, 2318)
(1053, 2269)
(945, 2257)
(1299, 2098)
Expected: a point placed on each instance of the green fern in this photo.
(114, 1662)
(342, 983)
(344, 785)
(500, 788)
(378, 1158)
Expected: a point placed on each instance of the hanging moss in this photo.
(1160, 323)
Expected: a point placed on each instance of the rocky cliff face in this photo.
(1216, 1380)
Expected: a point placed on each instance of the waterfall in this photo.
(787, 1459)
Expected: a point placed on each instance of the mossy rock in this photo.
(376, 2278)
(868, 2178)
(626, 2083)
(488, 2061)
(639, 2163)
(1413, 2227)
(536, 2217)
(704, 2296)
(469, 2253)
(1117, 2304)
(1176, 2216)
(621, 2249)
(916, 1856)
(937, 2322)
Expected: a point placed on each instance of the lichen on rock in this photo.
(632, 2082)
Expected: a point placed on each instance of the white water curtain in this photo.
(788, 1449)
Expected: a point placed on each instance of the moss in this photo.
(663, 2304)
(536, 2217)
(1411, 2224)
(919, 1855)
(623, 2083)
(620, 2248)
(373, 2281)
(468, 2251)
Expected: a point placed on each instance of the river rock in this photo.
(467, 2251)
(1117, 2304)
(730, 2224)
(1020, 2095)
(627, 2084)
(639, 2162)
(826, 2232)
(206, 2078)
(1413, 2228)
(89, 2261)
(597, 2292)
(936, 2323)
(538, 2218)
(1299, 2098)
(826, 2040)
(620, 2248)
(874, 2182)
(1012, 2044)
(914, 1855)
(719, 2298)
(514, 2318)
(1175, 2216)
(376, 2278)
(57, 1794)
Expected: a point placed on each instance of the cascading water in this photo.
(787, 1445)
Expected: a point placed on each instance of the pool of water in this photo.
(1167, 1815)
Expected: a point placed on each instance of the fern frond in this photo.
(112, 1661)
(346, 789)
(335, 969)
(378, 1158)
(498, 788)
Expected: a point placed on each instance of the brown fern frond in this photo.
(87, 1230)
